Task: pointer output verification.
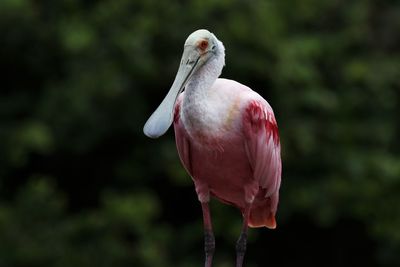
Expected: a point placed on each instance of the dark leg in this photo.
(209, 240)
(242, 241)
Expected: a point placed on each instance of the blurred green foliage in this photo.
(81, 186)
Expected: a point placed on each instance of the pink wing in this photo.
(182, 142)
(264, 154)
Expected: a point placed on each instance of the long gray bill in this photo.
(161, 119)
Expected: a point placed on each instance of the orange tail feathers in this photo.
(261, 215)
(268, 222)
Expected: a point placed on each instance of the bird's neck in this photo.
(201, 82)
(199, 85)
(198, 102)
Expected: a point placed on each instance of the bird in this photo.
(227, 139)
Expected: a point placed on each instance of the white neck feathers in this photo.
(197, 103)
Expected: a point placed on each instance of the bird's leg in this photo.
(209, 240)
(242, 241)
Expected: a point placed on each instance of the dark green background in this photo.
(80, 185)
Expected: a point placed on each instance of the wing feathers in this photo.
(262, 145)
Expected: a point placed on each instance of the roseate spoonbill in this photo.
(227, 139)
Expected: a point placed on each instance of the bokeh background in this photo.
(80, 185)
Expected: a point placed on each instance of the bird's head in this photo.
(201, 49)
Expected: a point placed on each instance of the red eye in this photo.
(203, 45)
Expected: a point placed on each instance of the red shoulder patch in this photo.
(177, 110)
(257, 117)
(271, 127)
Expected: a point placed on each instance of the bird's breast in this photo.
(211, 118)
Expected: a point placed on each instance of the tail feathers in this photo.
(268, 222)
(261, 215)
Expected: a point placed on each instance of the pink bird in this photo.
(227, 139)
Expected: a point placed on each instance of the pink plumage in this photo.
(242, 164)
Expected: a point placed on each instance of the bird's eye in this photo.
(213, 47)
(203, 45)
